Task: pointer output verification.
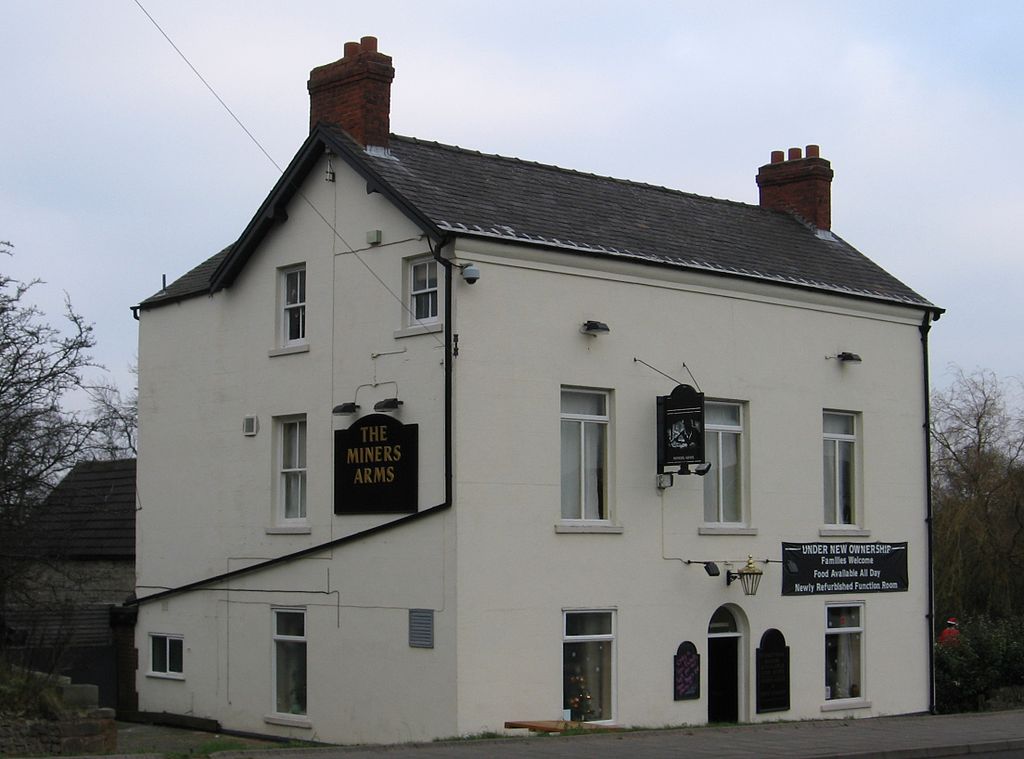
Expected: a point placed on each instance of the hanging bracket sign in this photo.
(680, 429)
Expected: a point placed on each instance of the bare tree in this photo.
(39, 439)
(116, 417)
(978, 493)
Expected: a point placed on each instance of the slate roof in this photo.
(472, 194)
(90, 514)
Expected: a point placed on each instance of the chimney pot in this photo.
(354, 93)
(800, 186)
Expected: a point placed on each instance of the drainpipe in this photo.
(924, 327)
(448, 368)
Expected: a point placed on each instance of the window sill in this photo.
(842, 704)
(288, 720)
(840, 531)
(419, 329)
(607, 528)
(724, 529)
(289, 350)
(289, 530)
(165, 676)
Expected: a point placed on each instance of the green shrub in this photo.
(988, 655)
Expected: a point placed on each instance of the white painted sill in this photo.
(418, 329)
(724, 529)
(289, 530)
(165, 676)
(838, 531)
(842, 704)
(596, 528)
(288, 720)
(291, 350)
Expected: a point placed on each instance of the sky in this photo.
(118, 166)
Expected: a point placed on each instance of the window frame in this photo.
(602, 422)
(167, 672)
(276, 638)
(839, 440)
(610, 639)
(847, 630)
(283, 472)
(716, 471)
(287, 306)
(413, 294)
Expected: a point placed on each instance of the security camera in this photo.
(470, 273)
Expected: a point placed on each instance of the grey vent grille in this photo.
(421, 628)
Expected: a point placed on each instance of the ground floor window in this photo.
(166, 655)
(290, 661)
(587, 647)
(844, 646)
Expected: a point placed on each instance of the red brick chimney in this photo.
(354, 93)
(798, 185)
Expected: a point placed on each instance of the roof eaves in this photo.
(356, 158)
(509, 235)
(271, 211)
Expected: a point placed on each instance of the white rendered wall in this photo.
(519, 343)
(207, 493)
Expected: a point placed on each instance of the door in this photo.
(723, 679)
(723, 667)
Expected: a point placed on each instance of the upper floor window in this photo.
(292, 463)
(584, 454)
(839, 445)
(723, 485)
(423, 290)
(293, 299)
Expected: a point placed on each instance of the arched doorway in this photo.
(724, 666)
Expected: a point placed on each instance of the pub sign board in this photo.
(680, 428)
(824, 568)
(376, 467)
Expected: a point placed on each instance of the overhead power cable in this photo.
(401, 301)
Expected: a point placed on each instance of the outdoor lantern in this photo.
(749, 577)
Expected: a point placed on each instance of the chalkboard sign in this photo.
(772, 673)
(687, 672)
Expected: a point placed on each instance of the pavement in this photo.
(999, 734)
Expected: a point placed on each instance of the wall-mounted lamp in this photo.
(350, 407)
(712, 569)
(388, 404)
(749, 577)
(470, 273)
(594, 328)
(849, 358)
